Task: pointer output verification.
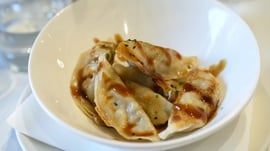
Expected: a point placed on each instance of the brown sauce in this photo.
(187, 87)
(121, 89)
(118, 38)
(149, 60)
(166, 51)
(195, 112)
(178, 56)
(77, 91)
(128, 131)
(118, 87)
(207, 99)
(100, 66)
(96, 40)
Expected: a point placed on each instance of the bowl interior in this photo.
(202, 28)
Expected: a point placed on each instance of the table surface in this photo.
(257, 15)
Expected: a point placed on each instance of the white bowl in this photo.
(203, 28)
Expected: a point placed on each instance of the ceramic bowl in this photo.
(206, 29)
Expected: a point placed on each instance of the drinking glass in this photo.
(20, 23)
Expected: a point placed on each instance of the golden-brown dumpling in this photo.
(195, 104)
(158, 62)
(117, 107)
(82, 82)
(154, 104)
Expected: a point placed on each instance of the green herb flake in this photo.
(107, 55)
(181, 82)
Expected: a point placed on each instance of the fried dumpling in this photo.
(154, 104)
(87, 66)
(82, 82)
(117, 107)
(89, 62)
(158, 62)
(195, 104)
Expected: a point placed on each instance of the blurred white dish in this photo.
(29, 144)
(202, 28)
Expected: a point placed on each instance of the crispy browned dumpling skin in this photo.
(118, 108)
(195, 104)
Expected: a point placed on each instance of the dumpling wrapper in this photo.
(158, 62)
(195, 105)
(82, 82)
(117, 107)
(154, 104)
(132, 73)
